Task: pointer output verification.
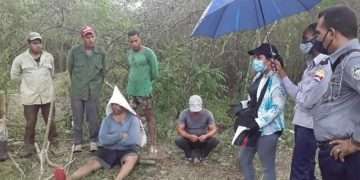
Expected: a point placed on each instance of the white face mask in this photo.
(306, 47)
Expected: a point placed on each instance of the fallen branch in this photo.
(43, 152)
(17, 166)
(47, 157)
(39, 153)
(71, 158)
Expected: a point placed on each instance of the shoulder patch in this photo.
(319, 74)
(355, 72)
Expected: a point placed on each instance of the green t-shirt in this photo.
(144, 69)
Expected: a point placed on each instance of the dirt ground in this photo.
(222, 164)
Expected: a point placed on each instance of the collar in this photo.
(319, 58)
(29, 54)
(95, 50)
(354, 43)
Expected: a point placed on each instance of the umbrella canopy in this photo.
(225, 16)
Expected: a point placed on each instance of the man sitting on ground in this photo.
(197, 130)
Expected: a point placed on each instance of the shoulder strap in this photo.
(262, 94)
(341, 57)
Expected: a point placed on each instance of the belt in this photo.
(324, 144)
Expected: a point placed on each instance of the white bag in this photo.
(143, 139)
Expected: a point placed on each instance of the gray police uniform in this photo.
(317, 69)
(337, 115)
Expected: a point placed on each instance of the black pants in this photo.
(303, 160)
(203, 147)
(332, 169)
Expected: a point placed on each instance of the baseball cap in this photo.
(34, 35)
(266, 49)
(87, 30)
(195, 103)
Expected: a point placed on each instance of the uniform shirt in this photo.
(111, 133)
(337, 115)
(87, 72)
(199, 124)
(302, 115)
(143, 71)
(36, 77)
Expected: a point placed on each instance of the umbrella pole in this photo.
(268, 33)
(248, 72)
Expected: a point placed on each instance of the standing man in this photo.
(303, 160)
(35, 69)
(144, 69)
(336, 116)
(86, 66)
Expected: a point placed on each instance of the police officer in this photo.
(337, 115)
(318, 69)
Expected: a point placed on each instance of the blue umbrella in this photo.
(225, 16)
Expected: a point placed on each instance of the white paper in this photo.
(239, 130)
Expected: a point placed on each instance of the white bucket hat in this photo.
(195, 103)
(118, 98)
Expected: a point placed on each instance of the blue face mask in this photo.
(258, 65)
(306, 47)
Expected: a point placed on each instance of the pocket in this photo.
(99, 66)
(47, 66)
(328, 163)
(78, 67)
(27, 67)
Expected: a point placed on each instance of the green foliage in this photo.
(180, 77)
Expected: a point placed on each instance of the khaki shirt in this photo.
(36, 78)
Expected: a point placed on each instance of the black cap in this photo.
(266, 49)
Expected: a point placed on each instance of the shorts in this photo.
(109, 158)
(141, 102)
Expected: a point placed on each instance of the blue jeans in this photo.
(303, 160)
(332, 169)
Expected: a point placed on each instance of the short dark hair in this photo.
(133, 33)
(342, 19)
(311, 28)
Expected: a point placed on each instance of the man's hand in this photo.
(203, 138)
(193, 138)
(123, 136)
(342, 148)
(280, 69)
